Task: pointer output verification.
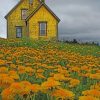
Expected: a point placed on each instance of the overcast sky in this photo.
(79, 18)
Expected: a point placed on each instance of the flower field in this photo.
(48, 70)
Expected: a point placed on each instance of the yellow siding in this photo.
(14, 19)
(43, 15)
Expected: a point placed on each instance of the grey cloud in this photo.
(79, 18)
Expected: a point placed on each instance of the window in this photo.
(18, 31)
(30, 1)
(24, 13)
(43, 28)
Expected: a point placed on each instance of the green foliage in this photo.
(42, 44)
(43, 1)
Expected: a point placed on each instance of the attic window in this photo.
(31, 2)
(24, 13)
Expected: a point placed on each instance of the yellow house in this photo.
(33, 19)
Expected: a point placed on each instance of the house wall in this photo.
(14, 19)
(43, 15)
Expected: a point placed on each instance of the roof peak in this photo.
(42, 4)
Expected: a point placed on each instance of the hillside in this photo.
(48, 70)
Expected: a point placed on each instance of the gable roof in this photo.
(42, 4)
(15, 8)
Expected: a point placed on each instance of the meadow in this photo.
(48, 70)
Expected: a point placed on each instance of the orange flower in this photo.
(39, 75)
(93, 92)
(3, 70)
(35, 88)
(7, 94)
(21, 88)
(87, 98)
(21, 69)
(50, 67)
(3, 75)
(97, 87)
(6, 81)
(59, 77)
(95, 76)
(85, 68)
(26, 87)
(29, 69)
(51, 79)
(63, 93)
(16, 88)
(2, 62)
(74, 82)
(51, 83)
(44, 65)
(40, 71)
(1, 55)
(12, 66)
(9, 58)
(52, 74)
(13, 74)
(75, 69)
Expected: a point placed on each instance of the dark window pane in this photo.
(42, 32)
(19, 30)
(19, 35)
(43, 25)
